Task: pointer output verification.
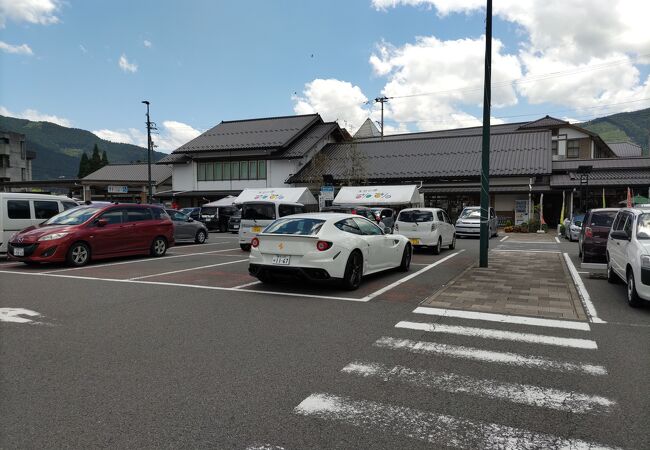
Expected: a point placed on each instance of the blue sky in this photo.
(200, 62)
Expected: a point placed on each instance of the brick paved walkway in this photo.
(531, 237)
(533, 284)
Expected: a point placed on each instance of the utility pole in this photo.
(485, 153)
(149, 187)
(382, 100)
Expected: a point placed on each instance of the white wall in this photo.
(572, 134)
(278, 171)
(184, 177)
(506, 202)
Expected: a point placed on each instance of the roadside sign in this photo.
(327, 192)
(118, 189)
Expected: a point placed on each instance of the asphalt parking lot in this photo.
(220, 264)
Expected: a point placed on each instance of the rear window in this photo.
(302, 227)
(209, 211)
(258, 211)
(602, 219)
(138, 214)
(470, 214)
(415, 216)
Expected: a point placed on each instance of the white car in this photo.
(426, 227)
(469, 222)
(628, 253)
(323, 246)
(573, 226)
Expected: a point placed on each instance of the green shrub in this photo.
(562, 230)
(533, 225)
(508, 223)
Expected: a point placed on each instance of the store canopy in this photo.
(276, 195)
(226, 201)
(636, 200)
(378, 195)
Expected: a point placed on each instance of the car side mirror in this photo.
(619, 235)
(102, 222)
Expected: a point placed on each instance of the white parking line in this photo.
(409, 277)
(557, 239)
(510, 359)
(436, 429)
(253, 283)
(163, 283)
(141, 260)
(503, 318)
(187, 270)
(584, 295)
(500, 335)
(523, 394)
(528, 251)
(504, 238)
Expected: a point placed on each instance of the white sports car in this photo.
(323, 246)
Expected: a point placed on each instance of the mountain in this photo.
(629, 126)
(58, 149)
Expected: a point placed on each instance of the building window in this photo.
(231, 170)
(23, 174)
(4, 161)
(572, 149)
(554, 147)
(23, 151)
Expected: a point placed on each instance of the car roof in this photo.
(421, 209)
(323, 216)
(637, 209)
(346, 206)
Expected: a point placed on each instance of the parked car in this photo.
(234, 221)
(187, 229)
(385, 216)
(217, 217)
(21, 210)
(592, 240)
(426, 227)
(573, 227)
(324, 246)
(91, 232)
(362, 211)
(255, 216)
(469, 222)
(628, 253)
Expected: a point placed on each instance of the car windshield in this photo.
(187, 210)
(643, 227)
(474, 213)
(73, 216)
(415, 216)
(577, 220)
(302, 227)
(209, 211)
(258, 211)
(603, 219)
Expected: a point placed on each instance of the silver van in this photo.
(469, 222)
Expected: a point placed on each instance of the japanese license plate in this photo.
(19, 251)
(256, 229)
(281, 260)
(415, 241)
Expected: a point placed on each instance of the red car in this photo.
(95, 231)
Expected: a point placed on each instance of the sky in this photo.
(89, 64)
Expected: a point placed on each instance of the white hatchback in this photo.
(426, 227)
(628, 253)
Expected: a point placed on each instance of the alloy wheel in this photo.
(79, 254)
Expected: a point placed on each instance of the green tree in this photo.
(95, 160)
(104, 159)
(84, 166)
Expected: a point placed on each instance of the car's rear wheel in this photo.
(200, 237)
(78, 254)
(406, 258)
(353, 271)
(245, 247)
(158, 247)
(633, 298)
(223, 228)
(438, 247)
(453, 243)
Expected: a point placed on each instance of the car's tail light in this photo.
(354, 211)
(433, 227)
(323, 245)
(255, 242)
(588, 232)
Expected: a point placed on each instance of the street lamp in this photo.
(149, 189)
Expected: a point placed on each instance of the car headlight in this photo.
(53, 236)
(645, 261)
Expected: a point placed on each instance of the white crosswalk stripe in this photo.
(460, 432)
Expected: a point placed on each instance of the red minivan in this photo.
(95, 231)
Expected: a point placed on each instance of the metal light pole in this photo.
(485, 153)
(149, 187)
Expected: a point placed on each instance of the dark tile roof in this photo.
(625, 149)
(130, 173)
(305, 142)
(601, 163)
(367, 129)
(172, 158)
(511, 154)
(472, 131)
(270, 132)
(544, 122)
(621, 177)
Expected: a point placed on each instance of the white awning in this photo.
(378, 195)
(276, 195)
(226, 201)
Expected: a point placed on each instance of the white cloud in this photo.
(127, 66)
(333, 100)
(83, 49)
(147, 43)
(172, 135)
(23, 49)
(41, 12)
(32, 114)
